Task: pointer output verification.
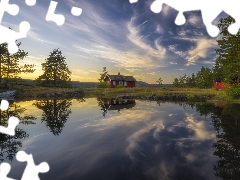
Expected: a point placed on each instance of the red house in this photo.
(114, 80)
(218, 84)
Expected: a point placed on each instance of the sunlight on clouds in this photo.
(200, 51)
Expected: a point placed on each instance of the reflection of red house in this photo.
(115, 104)
(218, 84)
(114, 80)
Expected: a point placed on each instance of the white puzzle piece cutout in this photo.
(59, 19)
(12, 121)
(76, 11)
(10, 130)
(4, 105)
(7, 35)
(12, 9)
(4, 170)
(210, 10)
(11, 36)
(31, 171)
(30, 2)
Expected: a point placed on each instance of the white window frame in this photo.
(114, 83)
(125, 83)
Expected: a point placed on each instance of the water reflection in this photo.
(115, 104)
(135, 140)
(225, 118)
(55, 113)
(9, 145)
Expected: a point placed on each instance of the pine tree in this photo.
(228, 61)
(56, 72)
(102, 76)
(10, 66)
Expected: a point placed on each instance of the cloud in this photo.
(172, 48)
(138, 41)
(201, 50)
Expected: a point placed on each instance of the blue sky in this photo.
(124, 37)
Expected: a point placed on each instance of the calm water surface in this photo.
(88, 139)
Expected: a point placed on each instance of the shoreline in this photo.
(143, 93)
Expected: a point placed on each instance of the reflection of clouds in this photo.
(201, 128)
(135, 138)
(147, 138)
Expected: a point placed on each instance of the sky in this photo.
(123, 37)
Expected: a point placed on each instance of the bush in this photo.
(233, 91)
(103, 85)
(119, 86)
(80, 91)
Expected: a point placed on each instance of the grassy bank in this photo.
(190, 93)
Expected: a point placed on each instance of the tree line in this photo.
(227, 65)
(55, 69)
(202, 79)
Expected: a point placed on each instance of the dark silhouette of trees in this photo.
(55, 113)
(102, 75)
(226, 123)
(10, 64)
(56, 72)
(9, 144)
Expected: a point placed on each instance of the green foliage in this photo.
(119, 86)
(203, 79)
(228, 61)
(10, 64)
(233, 91)
(102, 76)
(80, 91)
(56, 72)
(103, 85)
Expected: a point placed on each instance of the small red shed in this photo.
(114, 80)
(218, 84)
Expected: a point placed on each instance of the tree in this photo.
(176, 82)
(56, 72)
(102, 76)
(204, 78)
(228, 60)
(159, 81)
(10, 64)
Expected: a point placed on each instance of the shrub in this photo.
(80, 91)
(233, 91)
(103, 85)
(119, 86)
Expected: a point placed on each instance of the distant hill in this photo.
(142, 83)
(77, 84)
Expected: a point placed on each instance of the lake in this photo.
(102, 139)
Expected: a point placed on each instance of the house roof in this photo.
(121, 78)
(218, 80)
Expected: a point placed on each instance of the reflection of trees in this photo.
(9, 144)
(55, 113)
(226, 123)
(101, 103)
